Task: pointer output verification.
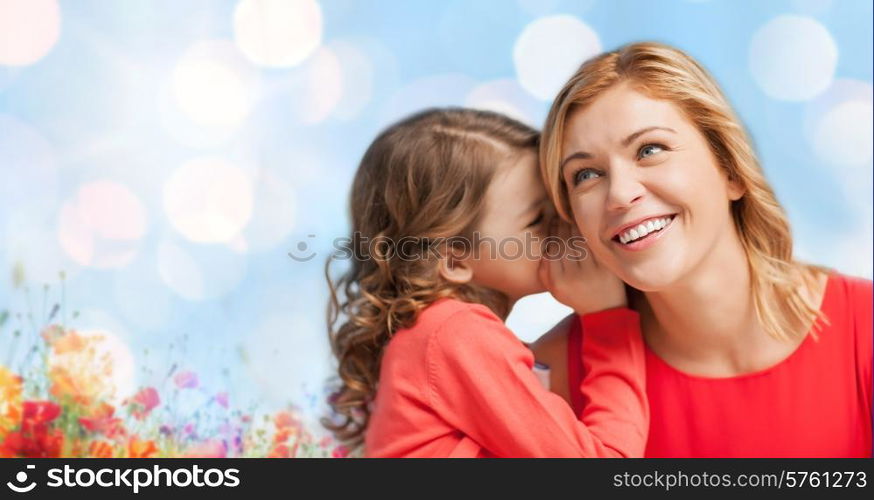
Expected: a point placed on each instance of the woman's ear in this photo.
(735, 190)
(734, 186)
(455, 266)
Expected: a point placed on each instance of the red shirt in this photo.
(458, 383)
(814, 403)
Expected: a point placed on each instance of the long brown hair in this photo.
(662, 72)
(422, 180)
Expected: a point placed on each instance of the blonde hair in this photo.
(779, 283)
(425, 179)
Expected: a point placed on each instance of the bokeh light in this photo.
(199, 273)
(358, 75)
(431, 91)
(274, 213)
(507, 97)
(315, 90)
(793, 58)
(277, 33)
(212, 86)
(549, 50)
(844, 134)
(28, 30)
(208, 200)
(102, 225)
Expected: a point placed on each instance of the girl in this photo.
(448, 213)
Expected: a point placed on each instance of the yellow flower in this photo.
(10, 400)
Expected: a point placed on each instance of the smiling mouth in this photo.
(644, 230)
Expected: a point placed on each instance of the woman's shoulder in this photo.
(851, 291)
(849, 308)
(854, 284)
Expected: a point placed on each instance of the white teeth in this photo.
(643, 229)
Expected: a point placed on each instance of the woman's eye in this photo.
(649, 150)
(584, 175)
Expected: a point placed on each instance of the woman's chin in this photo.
(649, 278)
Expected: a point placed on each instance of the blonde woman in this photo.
(749, 352)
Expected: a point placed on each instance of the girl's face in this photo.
(645, 189)
(508, 247)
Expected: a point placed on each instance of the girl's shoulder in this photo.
(452, 321)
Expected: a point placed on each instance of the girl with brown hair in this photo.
(448, 219)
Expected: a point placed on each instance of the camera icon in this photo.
(20, 478)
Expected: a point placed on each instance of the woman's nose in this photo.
(625, 187)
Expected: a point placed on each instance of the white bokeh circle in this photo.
(549, 50)
(28, 30)
(277, 33)
(208, 200)
(213, 86)
(793, 58)
(844, 134)
(102, 225)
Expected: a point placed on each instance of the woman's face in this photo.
(645, 189)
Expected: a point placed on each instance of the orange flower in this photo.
(284, 419)
(65, 385)
(10, 400)
(102, 421)
(71, 342)
(100, 449)
(137, 448)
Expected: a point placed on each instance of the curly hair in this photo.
(421, 185)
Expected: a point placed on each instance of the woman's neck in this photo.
(706, 324)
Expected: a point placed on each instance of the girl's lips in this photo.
(648, 240)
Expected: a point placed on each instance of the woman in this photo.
(749, 352)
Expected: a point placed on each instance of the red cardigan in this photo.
(458, 383)
(814, 403)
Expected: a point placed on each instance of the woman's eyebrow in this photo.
(582, 155)
(642, 131)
